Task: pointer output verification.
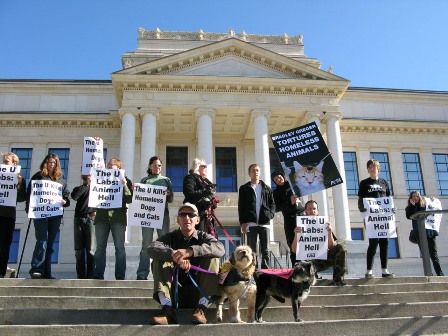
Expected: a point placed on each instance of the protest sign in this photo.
(379, 217)
(306, 160)
(92, 155)
(312, 242)
(106, 188)
(45, 200)
(8, 188)
(148, 206)
(433, 221)
(10, 169)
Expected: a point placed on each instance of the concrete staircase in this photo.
(399, 306)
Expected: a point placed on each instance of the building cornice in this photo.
(30, 121)
(200, 35)
(427, 129)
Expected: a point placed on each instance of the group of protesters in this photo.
(189, 245)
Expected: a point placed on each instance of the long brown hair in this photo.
(422, 200)
(56, 174)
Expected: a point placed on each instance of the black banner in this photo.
(306, 160)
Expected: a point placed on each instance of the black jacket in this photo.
(195, 188)
(247, 204)
(282, 197)
(81, 195)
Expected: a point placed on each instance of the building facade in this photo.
(218, 96)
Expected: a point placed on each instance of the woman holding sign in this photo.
(417, 203)
(8, 213)
(154, 178)
(46, 228)
(375, 187)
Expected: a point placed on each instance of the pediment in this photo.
(230, 58)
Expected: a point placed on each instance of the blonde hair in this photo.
(15, 158)
(116, 162)
(196, 163)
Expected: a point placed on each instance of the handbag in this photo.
(413, 237)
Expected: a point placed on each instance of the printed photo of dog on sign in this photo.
(296, 286)
(235, 283)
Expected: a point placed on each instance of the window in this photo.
(441, 168)
(64, 156)
(274, 162)
(357, 234)
(383, 159)
(25, 156)
(177, 166)
(394, 253)
(351, 173)
(413, 173)
(14, 250)
(55, 255)
(225, 158)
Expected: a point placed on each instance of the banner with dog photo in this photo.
(306, 160)
(312, 241)
(432, 222)
(379, 217)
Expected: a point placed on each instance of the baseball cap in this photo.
(188, 205)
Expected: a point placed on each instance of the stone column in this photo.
(320, 197)
(397, 172)
(127, 146)
(149, 131)
(340, 199)
(261, 143)
(205, 138)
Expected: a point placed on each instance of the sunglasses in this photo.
(203, 166)
(187, 214)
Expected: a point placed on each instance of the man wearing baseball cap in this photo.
(184, 247)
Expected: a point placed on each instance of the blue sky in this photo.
(382, 44)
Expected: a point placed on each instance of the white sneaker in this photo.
(10, 273)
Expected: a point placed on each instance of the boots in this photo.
(199, 315)
(168, 316)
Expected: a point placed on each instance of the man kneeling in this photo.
(336, 252)
(184, 247)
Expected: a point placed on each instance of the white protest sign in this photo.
(312, 242)
(8, 188)
(92, 155)
(106, 188)
(379, 217)
(10, 169)
(433, 221)
(45, 200)
(148, 206)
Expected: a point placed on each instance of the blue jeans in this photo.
(147, 238)
(46, 230)
(102, 230)
(85, 246)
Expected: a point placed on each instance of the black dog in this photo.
(297, 287)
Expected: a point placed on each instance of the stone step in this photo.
(125, 316)
(146, 289)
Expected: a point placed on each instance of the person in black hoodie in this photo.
(290, 205)
(256, 208)
(46, 228)
(8, 216)
(84, 230)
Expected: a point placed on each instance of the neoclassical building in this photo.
(219, 96)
